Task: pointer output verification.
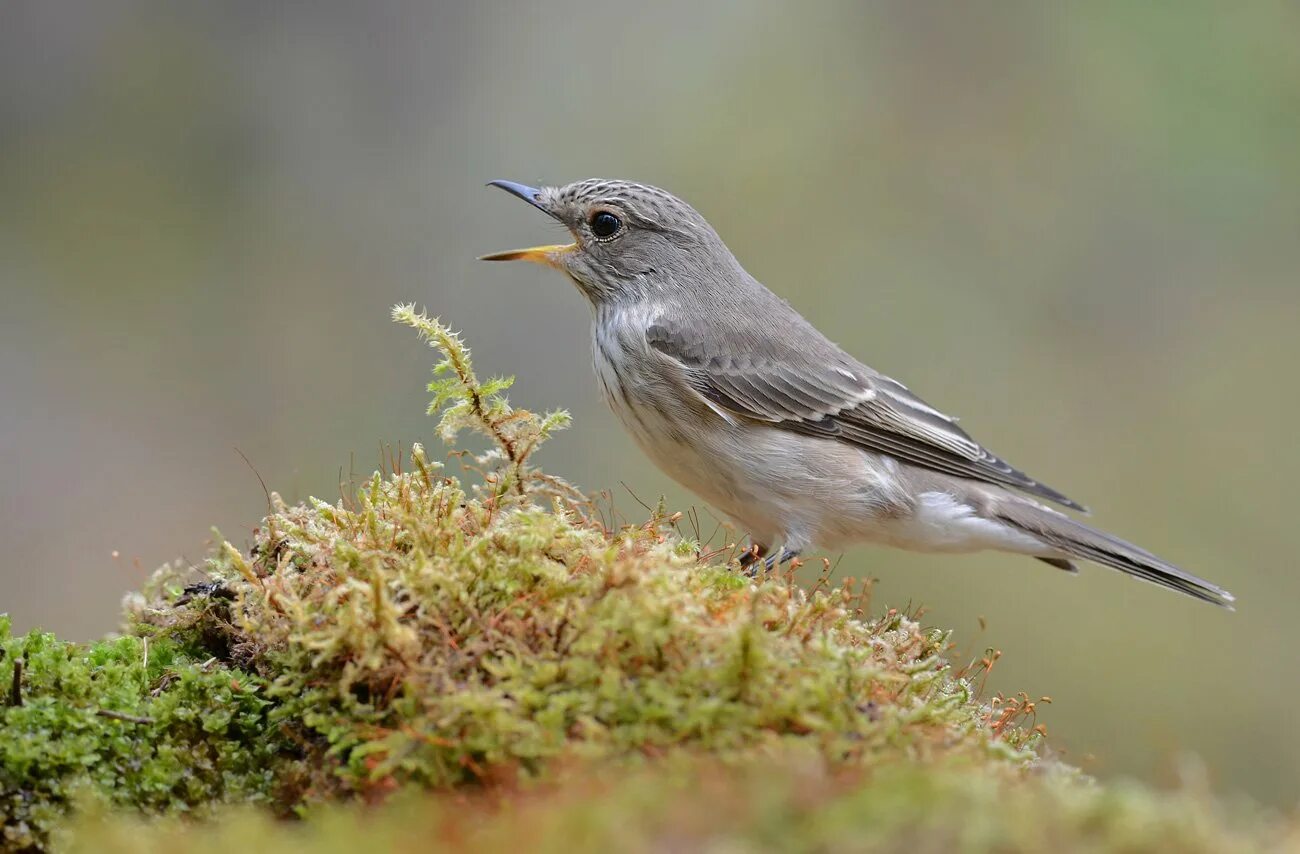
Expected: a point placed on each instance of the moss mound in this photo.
(494, 638)
(428, 636)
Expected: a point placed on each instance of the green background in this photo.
(1078, 228)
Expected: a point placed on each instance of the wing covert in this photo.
(836, 398)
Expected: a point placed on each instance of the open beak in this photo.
(549, 256)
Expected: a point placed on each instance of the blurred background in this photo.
(1078, 228)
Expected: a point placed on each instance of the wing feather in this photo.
(839, 399)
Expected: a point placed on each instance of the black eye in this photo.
(605, 224)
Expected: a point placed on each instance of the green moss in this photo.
(428, 637)
(489, 636)
(137, 724)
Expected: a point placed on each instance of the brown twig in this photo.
(123, 716)
(16, 691)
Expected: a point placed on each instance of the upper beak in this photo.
(532, 195)
(549, 256)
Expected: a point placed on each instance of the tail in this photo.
(1066, 537)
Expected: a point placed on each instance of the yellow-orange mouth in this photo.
(547, 256)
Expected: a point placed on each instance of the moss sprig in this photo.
(466, 403)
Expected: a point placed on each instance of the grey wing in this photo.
(836, 397)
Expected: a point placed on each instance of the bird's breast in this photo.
(639, 385)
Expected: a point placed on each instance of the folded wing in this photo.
(832, 395)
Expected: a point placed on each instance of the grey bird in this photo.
(741, 400)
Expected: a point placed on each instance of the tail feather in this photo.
(1070, 538)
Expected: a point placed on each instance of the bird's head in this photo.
(628, 239)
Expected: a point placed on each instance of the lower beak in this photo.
(548, 256)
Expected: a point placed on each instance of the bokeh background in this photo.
(1078, 227)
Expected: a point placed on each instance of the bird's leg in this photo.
(786, 557)
(752, 555)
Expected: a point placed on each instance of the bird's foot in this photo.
(750, 560)
(786, 556)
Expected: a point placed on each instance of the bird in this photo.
(741, 400)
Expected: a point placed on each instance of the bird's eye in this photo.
(605, 224)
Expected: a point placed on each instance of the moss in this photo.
(484, 634)
(429, 637)
(137, 724)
